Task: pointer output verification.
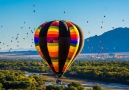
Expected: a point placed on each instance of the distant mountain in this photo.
(30, 52)
(116, 40)
(19, 49)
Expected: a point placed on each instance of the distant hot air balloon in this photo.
(59, 43)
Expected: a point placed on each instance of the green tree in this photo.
(97, 87)
(77, 85)
(72, 88)
(1, 87)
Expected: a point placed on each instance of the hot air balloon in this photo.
(58, 43)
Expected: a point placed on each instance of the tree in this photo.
(97, 87)
(77, 85)
(51, 87)
(1, 87)
(72, 88)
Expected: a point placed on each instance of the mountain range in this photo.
(116, 40)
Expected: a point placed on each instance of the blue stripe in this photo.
(74, 41)
(36, 40)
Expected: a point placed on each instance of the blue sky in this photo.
(13, 14)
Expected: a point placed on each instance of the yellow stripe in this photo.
(39, 51)
(53, 30)
(38, 48)
(55, 64)
(38, 30)
(52, 48)
(72, 31)
(72, 49)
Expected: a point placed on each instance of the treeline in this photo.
(108, 71)
(16, 80)
(101, 70)
(24, 65)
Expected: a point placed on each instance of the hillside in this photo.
(116, 40)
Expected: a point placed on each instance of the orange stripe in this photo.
(53, 54)
(55, 31)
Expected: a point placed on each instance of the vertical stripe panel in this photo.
(74, 42)
(43, 44)
(52, 44)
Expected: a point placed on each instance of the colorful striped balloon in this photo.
(59, 43)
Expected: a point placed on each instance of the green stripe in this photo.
(54, 27)
(54, 60)
(67, 60)
(52, 44)
(73, 45)
(71, 28)
(39, 27)
(36, 44)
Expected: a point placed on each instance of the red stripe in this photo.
(43, 24)
(69, 24)
(36, 35)
(74, 36)
(52, 35)
(55, 23)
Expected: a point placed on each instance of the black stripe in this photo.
(64, 44)
(43, 44)
(81, 43)
(44, 29)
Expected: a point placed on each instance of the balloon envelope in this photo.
(58, 43)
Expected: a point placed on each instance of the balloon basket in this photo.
(59, 81)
